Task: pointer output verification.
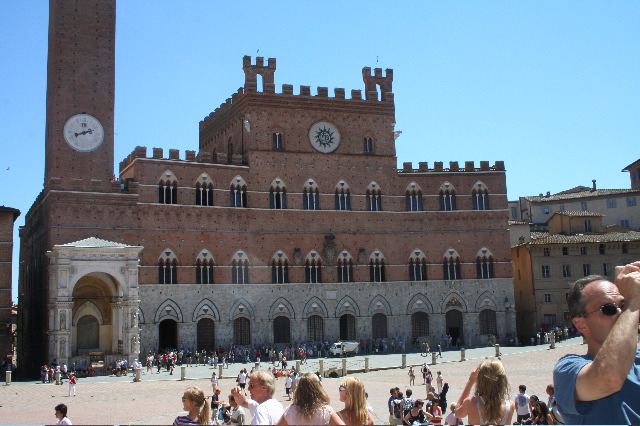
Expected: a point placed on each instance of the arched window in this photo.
(345, 267)
(484, 264)
(447, 197)
(417, 266)
(310, 196)
(204, 191)
(343, 196)
(451, 265)
(419, 324)
(242, 331)
(280, 268)
(240, 268)
(277, 195)
(368, 145)
(413, 198)
(315, 328)
(312, 268)
(374, 198)
(376, 267)
(168, 268)
(488, 321)
(168, 188)
(204, 268)
(379, 326)
(480, 196)
(238, 192)
(276, 139)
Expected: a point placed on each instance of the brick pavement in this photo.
(158, 401)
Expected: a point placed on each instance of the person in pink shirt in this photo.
(310, 405)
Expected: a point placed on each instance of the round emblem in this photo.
(83, 132)
(324, 137)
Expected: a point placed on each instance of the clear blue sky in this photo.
(551, 88)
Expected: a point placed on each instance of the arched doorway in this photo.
(454, 325)
(88, 329)
(281, 330)
(168, 334)
(242, 331)
(315, 328)
(347, 327)
(206, 334)
(379, 326)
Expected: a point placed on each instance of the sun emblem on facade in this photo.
(324, 137)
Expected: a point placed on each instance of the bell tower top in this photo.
(80, 91)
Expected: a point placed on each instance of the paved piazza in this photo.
(156, 400)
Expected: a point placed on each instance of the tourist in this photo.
(451, 418)
(264, 408)
(216, 405)
(214, 382)
(522, 404)
(194, 402)
(397, 409)
(490, 402)
(242, 380)
(553, 405)
(412, 377)
(310, 405)
(237, 414)
(416, 414)
(435, 411)
(602, 386)
(407, 402)
(287, 385)
(72, 384)
(439, 381)
(61, 415)
(353, 395)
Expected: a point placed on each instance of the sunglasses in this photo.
(184, 399)
(342, 388)
(608, 309)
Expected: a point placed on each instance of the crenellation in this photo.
(484, 165)
(174, 154)
(469, 166)
(356, 94)
(338, 93)
(205, 156)
(453, 166)
(190, 155)
(323, 92)
(423, 166)
(158, 153)
(287, 89)
(305, 90)
(438, 166)
(407, 166)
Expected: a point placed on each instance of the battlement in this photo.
(267, 72)
(438, 166)
(158, 153)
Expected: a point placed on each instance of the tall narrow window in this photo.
(587, 226)
(312, 268)
(204, 268)
(417, 266)
(447, 197)
(310, 196)
(280, 268)
(413, 198)
(343, 197)
(238, 192)
(480, 196)
(374, 198)
(168, 189)
(278, 195)
(345, 268)
(168, 268)
(204, 191)
(368, 145)
(377, 272)
(276, 138)
(484, 264)
(451, 265)
(240, 268)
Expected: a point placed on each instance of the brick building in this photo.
(290, 223)
(8, 217)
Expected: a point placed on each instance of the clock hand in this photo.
(90, 131)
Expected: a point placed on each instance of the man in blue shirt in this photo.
(602, 387)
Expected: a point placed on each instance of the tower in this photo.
(80, 91)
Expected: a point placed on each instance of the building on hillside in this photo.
(576, 245)
(8, 217)
(292, 223)
(618, 206)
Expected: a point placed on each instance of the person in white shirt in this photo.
(264, 408)
(61, 415)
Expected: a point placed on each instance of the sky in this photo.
(550, 88)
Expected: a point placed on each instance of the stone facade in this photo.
(291, 223)
(8, 217)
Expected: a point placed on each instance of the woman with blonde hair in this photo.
(310, 405)
(355, 404)
(194, 401)
(490, 403)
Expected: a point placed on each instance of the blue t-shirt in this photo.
(622, 407)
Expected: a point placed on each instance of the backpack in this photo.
(397, 410)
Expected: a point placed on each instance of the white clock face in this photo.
(83, 132)
(324, 137)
